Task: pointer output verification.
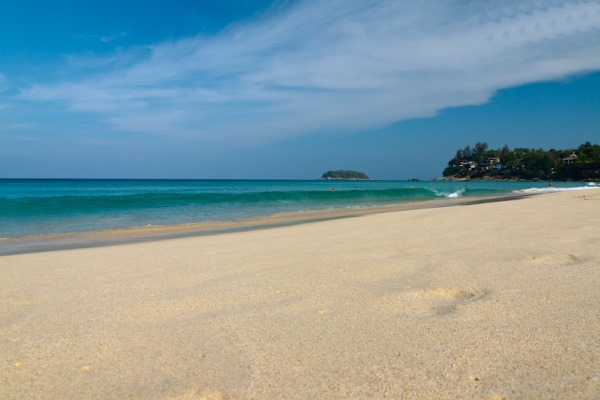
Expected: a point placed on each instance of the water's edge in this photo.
(113, 237)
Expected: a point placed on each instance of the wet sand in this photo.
(149, 233)
(487, 301)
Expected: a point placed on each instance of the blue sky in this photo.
(289, 89)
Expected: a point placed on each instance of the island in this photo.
(479, 162)
(345, 175)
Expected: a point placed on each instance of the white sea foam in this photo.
(555, 189)
(452, 195)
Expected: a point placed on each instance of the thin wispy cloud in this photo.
(111, 38)
(334, 66)
(101, 38)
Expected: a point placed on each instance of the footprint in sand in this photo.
(589, 197)
(433, 302)
(553, 259)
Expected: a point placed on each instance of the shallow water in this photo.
(35, 207)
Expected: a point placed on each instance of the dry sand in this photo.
(487, 301)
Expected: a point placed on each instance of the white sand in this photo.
(487, 301)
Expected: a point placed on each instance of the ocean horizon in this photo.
(34, 207)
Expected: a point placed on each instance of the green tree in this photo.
(523, 163)
(479, 151)
(505, 154)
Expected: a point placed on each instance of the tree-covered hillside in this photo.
(582, 163)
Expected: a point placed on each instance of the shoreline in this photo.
(484, 179)
(495, 300)
(140, 234)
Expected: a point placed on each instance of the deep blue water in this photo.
(34, 207)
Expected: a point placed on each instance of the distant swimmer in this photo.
(333, 189)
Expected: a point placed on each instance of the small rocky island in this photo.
(345, 175)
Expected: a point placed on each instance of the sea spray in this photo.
(453, 194)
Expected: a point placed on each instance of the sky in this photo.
(288, 89)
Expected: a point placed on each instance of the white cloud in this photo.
(336, 66)
(101, 38)
(110, 38)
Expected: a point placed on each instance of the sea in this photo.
(33, 207)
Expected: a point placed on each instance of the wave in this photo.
(28, 208)
(551, 189)
(74, 205)
(450, 195)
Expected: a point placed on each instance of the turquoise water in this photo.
(34, 207)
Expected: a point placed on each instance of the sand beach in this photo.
(498, 300)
